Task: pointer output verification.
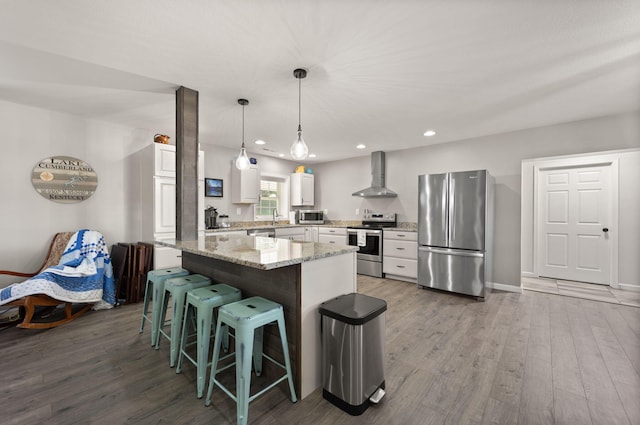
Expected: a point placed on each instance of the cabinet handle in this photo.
(401, 236)
(400, 249)
(332, 241)
(400, 267)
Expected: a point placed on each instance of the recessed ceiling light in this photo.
(281, 155)
(259, 142)
(312, 155)
(361, 146)
(429, 133)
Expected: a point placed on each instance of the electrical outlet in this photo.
(357, 211)
(326, 211)
(238, 211)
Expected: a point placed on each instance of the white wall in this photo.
(28, 221)
(501, 154)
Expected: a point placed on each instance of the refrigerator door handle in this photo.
(446, 212)
(452, 251)
(451, 217)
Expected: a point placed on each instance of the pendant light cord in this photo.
(243, 126)
(299, 103)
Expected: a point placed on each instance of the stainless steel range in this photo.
(368, 238)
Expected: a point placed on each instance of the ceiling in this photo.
(379, 72)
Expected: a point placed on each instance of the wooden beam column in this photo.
(186, 164)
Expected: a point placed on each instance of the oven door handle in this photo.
(368, 231)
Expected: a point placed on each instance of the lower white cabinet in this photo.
(165, 257)
(291, 233)
(334, 235)
(311, 234)
(400, 255)
(298, 233)
(226, 233)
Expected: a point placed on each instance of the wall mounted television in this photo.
(213, 187)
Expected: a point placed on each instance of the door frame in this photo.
(578, 162)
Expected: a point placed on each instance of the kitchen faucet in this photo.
(274, 214)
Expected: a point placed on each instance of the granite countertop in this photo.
(258, 252)
(268, 225)
(405, 226)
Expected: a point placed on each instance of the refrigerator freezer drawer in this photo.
(452, 270)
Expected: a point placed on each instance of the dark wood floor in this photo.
(530, 358)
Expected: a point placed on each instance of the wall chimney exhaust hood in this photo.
(377, 188)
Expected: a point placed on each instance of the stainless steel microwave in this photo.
(310, 217)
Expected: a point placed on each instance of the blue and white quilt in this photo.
(84, 275)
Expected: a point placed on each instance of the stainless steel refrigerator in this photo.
(455, 231)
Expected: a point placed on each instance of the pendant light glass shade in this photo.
(299, 149)
(242, 161)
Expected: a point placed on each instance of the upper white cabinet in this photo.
(245, 184)
(302, 189)
(164, 157)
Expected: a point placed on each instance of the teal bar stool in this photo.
(176, 288)
(205, 302)
(248, 317)
(155, 286)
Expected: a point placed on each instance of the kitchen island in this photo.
(298, 275)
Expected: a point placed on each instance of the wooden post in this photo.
(186, 164)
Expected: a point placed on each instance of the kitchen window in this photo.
(274, 194)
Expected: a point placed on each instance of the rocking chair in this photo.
(29, 303)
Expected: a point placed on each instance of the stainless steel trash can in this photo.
(353, 330)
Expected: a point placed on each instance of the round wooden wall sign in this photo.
(64, 179)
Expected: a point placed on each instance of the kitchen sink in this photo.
(267, 232)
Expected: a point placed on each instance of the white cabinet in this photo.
(164, 256)
(227, 233)
(164, 159)
(164, 211)
(298, 233)
(400, 255)
(334, 235)
(201, 225)
(302, 189)
(311, 234)
(157, 168)
(291, 233)
(245, 184)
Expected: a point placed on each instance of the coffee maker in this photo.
(211, 218)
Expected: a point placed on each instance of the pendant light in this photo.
(299, 149)
(242, 162)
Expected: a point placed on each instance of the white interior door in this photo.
(574, 214)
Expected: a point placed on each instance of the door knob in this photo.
(606, 229)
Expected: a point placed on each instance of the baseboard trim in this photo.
(503, 287)
(528, 274)
(627, 287)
